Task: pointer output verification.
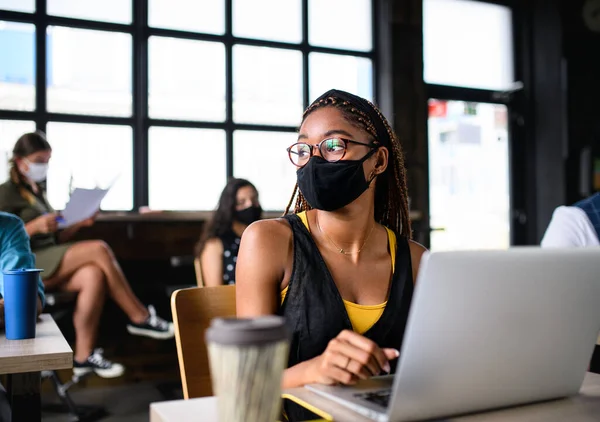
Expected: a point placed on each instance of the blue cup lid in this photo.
(22, 271)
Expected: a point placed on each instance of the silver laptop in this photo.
(488, 329)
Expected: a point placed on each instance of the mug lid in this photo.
(22, 271)
(247, 331)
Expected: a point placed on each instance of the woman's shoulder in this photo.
(278, 227)
(8, 188)
(8, 220)
(10, 197)
(269, 233)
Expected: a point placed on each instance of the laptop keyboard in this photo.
(382, 398)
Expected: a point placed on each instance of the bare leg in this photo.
(99, 254)
(89, 283)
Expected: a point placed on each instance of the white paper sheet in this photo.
(83, 204)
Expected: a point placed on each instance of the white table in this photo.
(23, 361)
(585, 407)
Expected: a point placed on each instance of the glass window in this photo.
(118, 11)
(89, 72)
(186, 79)
(27, 6)
(17, 66)
(352, 74)
(186, 168)
(10, 132)
(188, 15)
(89, 156)
(346, 24)
(467, 43)
(251, 21)
(267, 85)
(468, 170)
(261, 158)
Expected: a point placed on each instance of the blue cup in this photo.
(20, 303)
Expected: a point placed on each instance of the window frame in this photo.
(518, 109)
(140, 120)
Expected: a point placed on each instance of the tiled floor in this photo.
(124, 403)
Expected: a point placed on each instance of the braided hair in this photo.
(391, 193)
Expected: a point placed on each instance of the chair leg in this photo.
(79, 413)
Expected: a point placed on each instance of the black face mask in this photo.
(248, 215)
(331, 186)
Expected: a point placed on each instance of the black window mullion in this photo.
(305, 52)
(375, 50)
(229, 125)
(40, 114)
(140, 103)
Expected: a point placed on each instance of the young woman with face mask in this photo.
(341, 268)
(219, 244)
(87, 267)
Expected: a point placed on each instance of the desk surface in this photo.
(47, 351)
(584, 407)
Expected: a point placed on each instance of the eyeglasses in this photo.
(332, 150)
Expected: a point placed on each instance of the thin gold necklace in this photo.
(341, 250)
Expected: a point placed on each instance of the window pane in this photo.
(267, 85)
(186, 168)
(261, 158)
(343, 24)
(10, 131)
(17, 66)
(250, 21)
(27, 6)
(89, 72)
(89, 156)
(352, 74)
(467, 43)
(468, 170)
(118, 11)
(188, 15)
(186, 79)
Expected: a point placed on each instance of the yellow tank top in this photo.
(362, 317)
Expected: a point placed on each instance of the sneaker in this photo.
(97, 363)
(154, 327)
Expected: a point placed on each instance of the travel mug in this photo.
(20, 303)
(247, 358)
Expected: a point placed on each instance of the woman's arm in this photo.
(16, 253)
(265, 252)
(416, 253)
(211, 261)
(43, 224)
(68, 233)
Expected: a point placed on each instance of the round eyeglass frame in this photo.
(372, 145)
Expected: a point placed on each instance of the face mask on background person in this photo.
(36, 171)
(249, 215)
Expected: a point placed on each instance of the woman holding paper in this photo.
(87, 267)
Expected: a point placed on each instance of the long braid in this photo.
(391, 195)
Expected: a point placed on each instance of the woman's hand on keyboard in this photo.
(349, 357)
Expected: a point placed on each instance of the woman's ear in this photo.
(381, 160)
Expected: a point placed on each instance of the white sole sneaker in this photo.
(116, 370)
(157, 335)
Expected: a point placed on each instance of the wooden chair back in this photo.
(193, 309)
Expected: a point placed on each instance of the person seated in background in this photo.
(218, 246)
(572, 227)
(575, 226)
(341, 269)
(15, 254)
(86, 267)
